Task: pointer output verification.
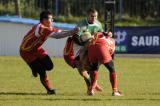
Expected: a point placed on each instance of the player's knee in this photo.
(49, 66)
(94, 66)
(110, 66)
(40, 70)
(47, 63)
(42, 74)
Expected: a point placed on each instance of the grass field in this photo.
(139, 81)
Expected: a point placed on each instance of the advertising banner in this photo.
(137, 40)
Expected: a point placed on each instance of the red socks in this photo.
(46, 83)
(113, 80)
(94, 78)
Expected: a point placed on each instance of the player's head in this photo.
(92, 15)
(46, 18)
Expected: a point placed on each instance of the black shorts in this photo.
(42, 64)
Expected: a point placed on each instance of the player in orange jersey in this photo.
(31, 48)
(100, 49)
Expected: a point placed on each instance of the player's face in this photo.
(48, 21)
(92, 17)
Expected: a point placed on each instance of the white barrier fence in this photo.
(11, 35)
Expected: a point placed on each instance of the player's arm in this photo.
(64, 33)
(60, 34)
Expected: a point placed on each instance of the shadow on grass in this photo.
(20, 93)
(70, 98)
(154, 93)
(103, 99)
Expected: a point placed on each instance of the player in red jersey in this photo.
(100, 49)
(31, 48)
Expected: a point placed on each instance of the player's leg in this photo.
(33, 66)
(93, 57)
(86, 78)
(46, 83)
(105, 58)
(113, 77)
(37, 67)
(82, 71)
(47, 65)
(94, 77)
(44, 64)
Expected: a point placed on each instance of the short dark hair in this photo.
(91, 10)
(44, 14)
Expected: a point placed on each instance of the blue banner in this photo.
(137, 40)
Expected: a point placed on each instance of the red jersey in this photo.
(101, 49)
(106, 40)
(36, 37)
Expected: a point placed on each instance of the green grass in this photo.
(138, 80)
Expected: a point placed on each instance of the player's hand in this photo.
(75, 30)
(110, 34)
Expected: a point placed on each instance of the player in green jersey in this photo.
(89, 24)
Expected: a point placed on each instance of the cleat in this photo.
(51, 92)
(90, 92)
(117, 93)
(98, 88)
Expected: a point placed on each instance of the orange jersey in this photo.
(36, 37)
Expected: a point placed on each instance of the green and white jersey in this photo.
(92, 28)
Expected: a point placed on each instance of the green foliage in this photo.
(7, 9)
(138, 80)
(69, 19)
(135, 22)
(124, 22)
(146, 12)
